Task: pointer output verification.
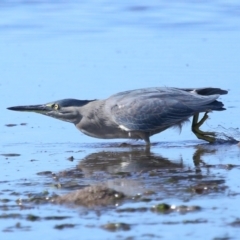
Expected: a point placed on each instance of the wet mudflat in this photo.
(55, 182)
(123, 192)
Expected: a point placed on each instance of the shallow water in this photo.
(90, 50)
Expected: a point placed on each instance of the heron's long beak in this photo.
(32, 108)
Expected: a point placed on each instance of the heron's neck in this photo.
(92, 112)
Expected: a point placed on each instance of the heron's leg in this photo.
(145, 137)
(147, 141)
(197, 124)
(207, 136)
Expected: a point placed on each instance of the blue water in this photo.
(51, 50)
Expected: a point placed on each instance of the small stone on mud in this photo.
(62, 226)
(10, 125)
(116, 227)
(45, 173)
(70, 158)
(124, 145)
(32, 218)
(10, 154)
(235, 223)
(162, 207)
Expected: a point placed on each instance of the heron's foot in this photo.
(207, 136)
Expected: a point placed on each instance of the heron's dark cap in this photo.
(73, 102)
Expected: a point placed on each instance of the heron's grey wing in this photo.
(156, 112)
(150, 114)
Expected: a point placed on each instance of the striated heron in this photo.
(136, 114)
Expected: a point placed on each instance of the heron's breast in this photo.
(102, 130)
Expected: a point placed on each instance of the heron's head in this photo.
(66, 110)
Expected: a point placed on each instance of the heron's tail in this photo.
(214, 106)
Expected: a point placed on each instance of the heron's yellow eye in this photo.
(55, 106)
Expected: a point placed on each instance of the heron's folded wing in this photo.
(150, 114)
(158, 108)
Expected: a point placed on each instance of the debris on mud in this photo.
(166, 208)
(116, 227)
(91, 196)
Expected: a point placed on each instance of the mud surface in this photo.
(127, 191)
